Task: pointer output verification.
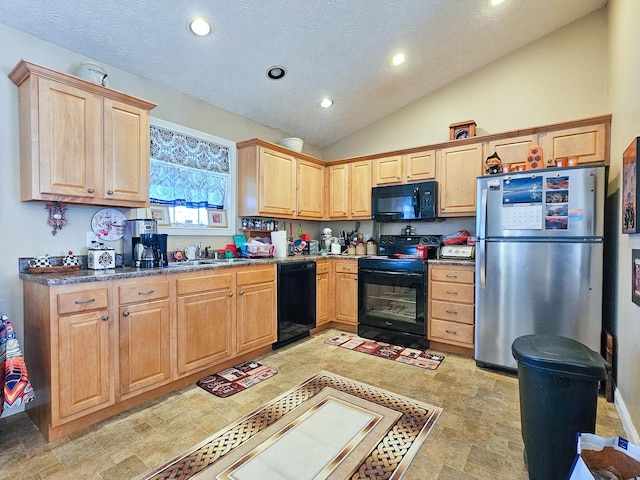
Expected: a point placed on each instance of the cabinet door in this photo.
(256, 312)
(310, 195)
(205, 329)
(387, 171)
(458, 168)
(70, 141)
(514, 150)
(588, 143)
(126, 154)
(339, 191)
(420, 166)
(346, 294)
(277, 184)
(84, 373)
(145, 345)
(360, 192)
(322, 298)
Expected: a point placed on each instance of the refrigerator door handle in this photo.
(482, 215)
(481, 255)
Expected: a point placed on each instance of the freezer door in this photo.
(536, 287)
(542, 203)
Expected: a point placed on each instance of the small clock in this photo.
(461, 130)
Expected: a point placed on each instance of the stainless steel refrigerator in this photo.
(539, 259)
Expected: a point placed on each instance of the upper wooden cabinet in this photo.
(589, 143)
(274, 183)
(512, 150)
(349, 190)
(458, 168)
(81, 142)
(410, 167)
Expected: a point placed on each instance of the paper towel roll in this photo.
(279, 241)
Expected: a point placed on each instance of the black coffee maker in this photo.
(151, 251)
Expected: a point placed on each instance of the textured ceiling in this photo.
(334, 48)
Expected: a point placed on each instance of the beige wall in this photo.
(624, 104)
(561, 77)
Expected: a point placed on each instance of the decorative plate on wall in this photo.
(108, 224)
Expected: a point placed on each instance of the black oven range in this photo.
(392, 291)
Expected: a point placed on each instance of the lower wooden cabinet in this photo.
(322, 292)
(451, 305)
(256, 324)
(346, 291)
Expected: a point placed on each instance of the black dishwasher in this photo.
(296, 301)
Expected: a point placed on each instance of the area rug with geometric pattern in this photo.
(328, 427)
(409, 356)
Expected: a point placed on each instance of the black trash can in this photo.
(558, 382)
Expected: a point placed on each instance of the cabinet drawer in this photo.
(204, 283)
(456, 312)
(248, 276)
(452, 275)
(143, 291)
(83, 301)
(452, 292)
(451, 331)
(322, 267)
(346, 267)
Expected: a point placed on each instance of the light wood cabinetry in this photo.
(81, 142)
(275, 182)
(349, 186)
(322, 292)
(406, 168)
(256, 307)
(512, 150)
(458, 168)
(205, 319)
(451, 305)
(346, 291)
(589, 143)
(144, 321)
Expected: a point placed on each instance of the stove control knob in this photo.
(392, 239)
(383, 239)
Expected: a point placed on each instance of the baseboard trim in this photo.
(627, 424)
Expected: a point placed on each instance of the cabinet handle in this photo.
(452, 293)
(125, 313)
(148, 292)
(82, 302)
(109, 192)
(452, 276)
(397, 178)
(90, 190)
(451, 332)
(452, 312)
(241, 292)
(105, 318)
(231, 294)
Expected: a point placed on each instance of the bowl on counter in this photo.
(292, 143)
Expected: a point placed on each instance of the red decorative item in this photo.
(455, 238)
(56, 216)
(535, 158)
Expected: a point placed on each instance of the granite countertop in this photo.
(85, 275)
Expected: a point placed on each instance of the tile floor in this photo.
(477, 436)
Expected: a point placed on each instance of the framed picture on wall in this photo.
(630, 187)
(161, 214)
(635, 276)
(217, 218)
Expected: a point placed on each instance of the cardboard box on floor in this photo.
(605, 458)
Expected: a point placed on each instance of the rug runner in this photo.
(235, 379)
(410, 356)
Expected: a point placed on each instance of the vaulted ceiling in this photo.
(339, 49)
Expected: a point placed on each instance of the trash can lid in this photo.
(561, 356)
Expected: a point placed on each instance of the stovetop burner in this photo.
(399, 252)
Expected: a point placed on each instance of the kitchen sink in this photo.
(207, 261)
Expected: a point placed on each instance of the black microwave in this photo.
(414, 201)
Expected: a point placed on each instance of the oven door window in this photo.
(392, 300)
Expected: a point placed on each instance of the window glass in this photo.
(193, 175)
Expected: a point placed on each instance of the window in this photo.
(193, 176)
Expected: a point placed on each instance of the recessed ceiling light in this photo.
(276, 72)
(199, 27)
(398, 59)
(495, 3)
(326, 103)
